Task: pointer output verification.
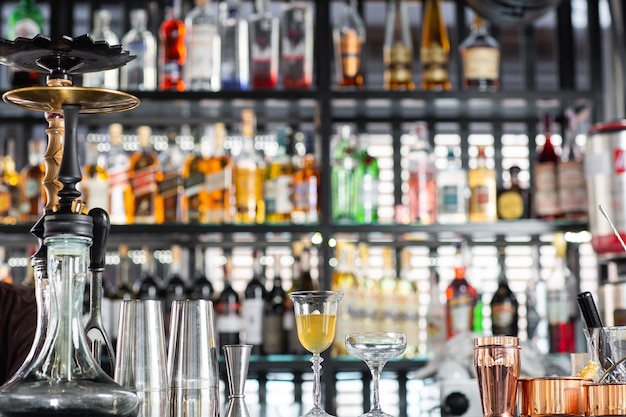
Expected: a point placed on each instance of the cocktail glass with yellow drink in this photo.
(316, 315)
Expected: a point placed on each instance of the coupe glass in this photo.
(375, 348)
(316, 314)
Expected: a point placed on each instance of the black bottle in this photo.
(253, 306)
(274, 335)
(150, 285)
(201, 288)
(228, 314)
(504, 308)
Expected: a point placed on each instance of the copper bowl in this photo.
(551, 396)
(607, 399)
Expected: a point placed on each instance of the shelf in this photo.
(297, 106)
(521, 231)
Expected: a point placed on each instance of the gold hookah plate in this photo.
(91, 100)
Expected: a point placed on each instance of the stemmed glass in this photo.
(316, 315)
(375, 348)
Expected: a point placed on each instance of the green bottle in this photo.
(25, 21)
(367, 182)
(344, 178)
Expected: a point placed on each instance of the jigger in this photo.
(236, 358)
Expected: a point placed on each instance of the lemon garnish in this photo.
(589, 371)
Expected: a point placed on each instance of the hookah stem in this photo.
(317, 360)
(66, 305)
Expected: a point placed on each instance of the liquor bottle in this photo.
(546, 186)
(435, 48)
(278, 183)
(174, 287)
(482, 183)
(561, 316)
(201, 287)
(169, 204)
(461, 298)
(253, 305)
(235, 55)
(422, 184)
(348, 39)
(101, 31)
(453, 191)
(435, 315)
(398, 48)
(504, 305)
(202, 67)
(297, 45)
(478, 320)
(367, 178)
(344, 186)
(273, 331)
(571, 174)
(513, 200)
(306, 184)
(264, 46)
(172, 50)
(249, 174)
(292, 343)
(95, 183)
(25, 21)
(10, 181)
(306, 279)
(149, 286)
(142, 174)
(123, 289)
(120, 193)
(228, 311)
(480, 58)
(140, 74)
(219, 180)
(31, 190)
(344, 280)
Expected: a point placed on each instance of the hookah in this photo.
(62, 375)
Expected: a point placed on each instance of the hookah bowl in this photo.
(62, 377)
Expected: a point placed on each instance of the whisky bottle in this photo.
(278, 183)
(235, 52)
(306, 184)
(31, 190)
(264, 46)
(482, 183)
(480, 59)
(95, 183)
(194, 204)
(435, 48)
(453, 191)
(120, 193)
(202, 67)
(422, 185)
(140, 74)
(398, 48)
(219, 180)
(172, 50)
(11, 180)
(513, 200)
(344, 185)
(101, 31)
(249, 174)
(25, 21)
(461, 299)
(297, 45)
(142, 174)
(348, 39)
(254, 304)
(546, 197)
(170, 179)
